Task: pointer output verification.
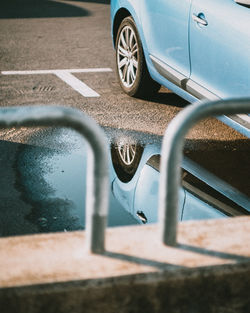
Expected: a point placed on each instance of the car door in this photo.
(219, 49)
(165, 28)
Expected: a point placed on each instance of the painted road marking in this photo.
(83, 70)
(67, 77)
(76, 84)
(86, 91)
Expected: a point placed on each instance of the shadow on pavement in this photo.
(39, 9)
(165, 96)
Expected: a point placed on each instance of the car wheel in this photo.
(126, 157)
(131, 67)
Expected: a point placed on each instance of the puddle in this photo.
(212, 186)
(44, 182)
(48, 188)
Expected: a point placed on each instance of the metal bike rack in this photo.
(97, 158)
(97, 169)
(172, 154)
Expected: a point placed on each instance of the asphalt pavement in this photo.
(61, 52)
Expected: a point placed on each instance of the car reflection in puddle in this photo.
(202, 195)
(47, 184)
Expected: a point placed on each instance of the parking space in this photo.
(76, 35)
(67, 76)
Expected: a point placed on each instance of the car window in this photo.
(204, 194)
(210, 196)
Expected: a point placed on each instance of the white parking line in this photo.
(83, 70)
(67, 77)
(76, 84)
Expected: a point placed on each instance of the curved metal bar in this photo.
(97, 183)
(172, 154)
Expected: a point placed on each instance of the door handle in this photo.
(200, 19)
(142, 217)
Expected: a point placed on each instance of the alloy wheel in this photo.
(127, 56)
(127, 153)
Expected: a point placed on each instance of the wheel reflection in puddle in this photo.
(52, 180)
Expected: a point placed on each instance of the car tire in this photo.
(132, 71)
(126, 157)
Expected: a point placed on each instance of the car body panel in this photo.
(146, 195)
(220, 51)
(170, 47)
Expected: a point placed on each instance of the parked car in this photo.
(202, 195)
(198, 49)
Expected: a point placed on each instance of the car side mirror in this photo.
(246, 3)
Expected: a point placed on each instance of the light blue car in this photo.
(198, 49)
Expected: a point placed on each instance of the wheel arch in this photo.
(120, 15)
(124, 11)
